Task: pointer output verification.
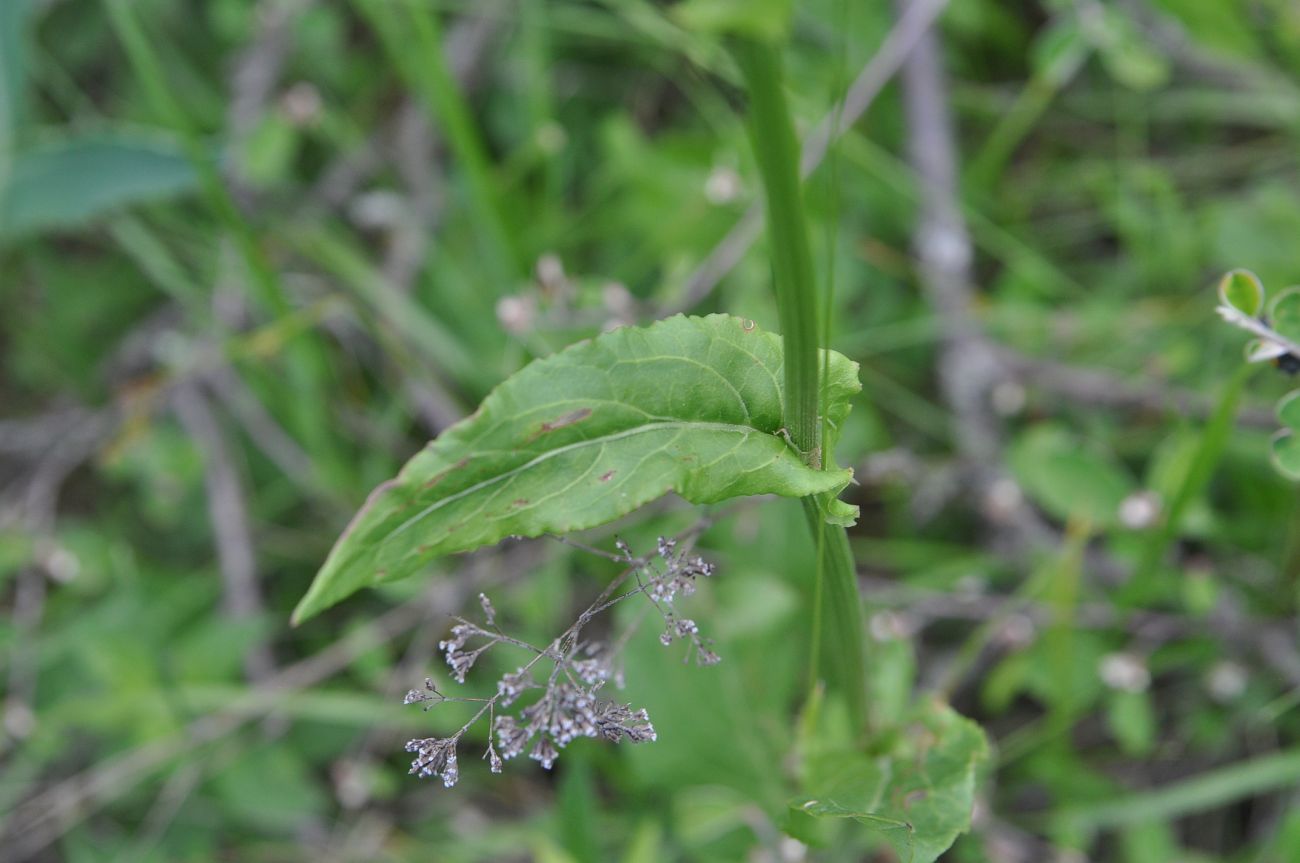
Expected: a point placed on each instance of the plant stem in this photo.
(842, 644)
(1213, 443)
(777, 152)
(410, 34)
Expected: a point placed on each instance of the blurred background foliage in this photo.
(254, 254)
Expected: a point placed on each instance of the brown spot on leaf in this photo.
(607, 476)
(518, 502)
(571, 418)
(747, 325)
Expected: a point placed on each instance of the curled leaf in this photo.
(1243, 291)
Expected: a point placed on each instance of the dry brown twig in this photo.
(228, 515)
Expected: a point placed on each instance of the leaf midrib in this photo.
(558, 451)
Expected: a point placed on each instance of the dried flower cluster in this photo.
(674, 574)
(570, 704)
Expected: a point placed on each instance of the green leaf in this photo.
(1066, 479)
(1131, 718)
(74, 181)
(576, 440)
(1286, 453)
(1284, 314)
(1243, 291)
(1202, 792)
(1288, 410)
(1059, 50)
(766, 20)
(1126, 53)
(15, 17)
(919, 797)
(270, 788)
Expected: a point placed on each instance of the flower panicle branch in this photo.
(567, 702)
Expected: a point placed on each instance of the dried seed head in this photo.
(617, 722)
(493, 760)
(458, 659)
(544, 752)
(511, 685)
(568, 706)
(435, 756)
(511, 737)
(597, 669)
(489, 613)
(430, 693)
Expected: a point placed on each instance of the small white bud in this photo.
(723, 186)
(517, 315)
(1124, 671)
(1008, 398)
(891, 626)
(550, 270)
(1140, 510)
(62, 565)
(19, 719)
(301, 104)
(1226, 681)
(618, 300)
(1003, 499)
(377, 210)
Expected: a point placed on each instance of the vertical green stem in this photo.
(776, 150)
(411, 37)
(841, 645)
(1214, 441)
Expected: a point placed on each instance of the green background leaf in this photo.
(919, 797)
(1286, 453)
(66, 184)
(691, 405)
(758, 19)
(1288, 410)
(1066, 479)
(1284, 313)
